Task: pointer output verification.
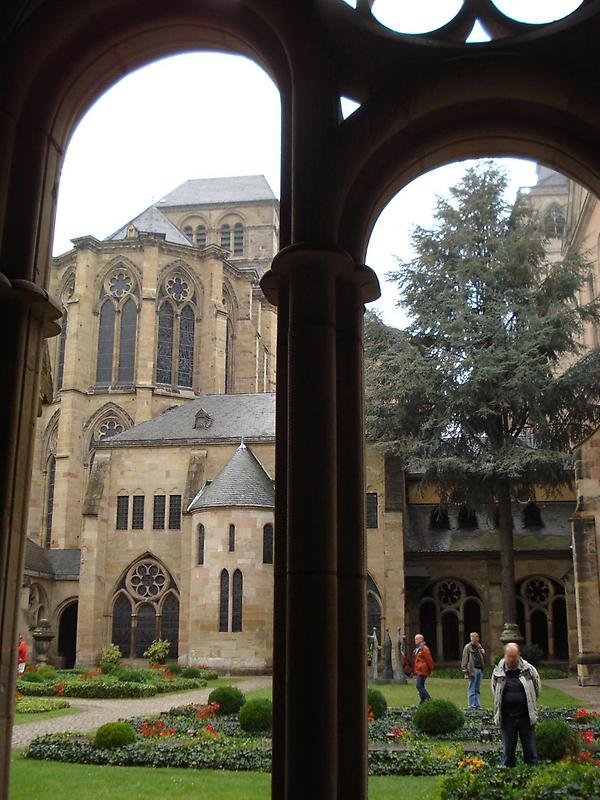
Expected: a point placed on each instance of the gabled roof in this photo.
(243, 481)
(222, 417)
(152, 220)
(550, 177)
(206, 191)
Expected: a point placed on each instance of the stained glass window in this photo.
(170, 624)
(175, 512)
(61, 351)
(106, 341)
(226, 237)
(50, 499)
(186, 347)
(164, 353)
(121, 625)
(231, 538)
(146, 629)
(200, 236)
(160, 505)
(127, 342)
(122, 512)
(238, 239)
(236, 606)
(229, 358)
(224, 602)
(137, 512)
(268, 544)
(201, 535)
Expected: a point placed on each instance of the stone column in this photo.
(323, 590)
(27, 315)
(587, 597)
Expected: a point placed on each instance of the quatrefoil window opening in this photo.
(147, 580)
(178, 288)
(119, 284)
(538, 591)
(449, 593)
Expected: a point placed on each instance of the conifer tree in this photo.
(489, 386)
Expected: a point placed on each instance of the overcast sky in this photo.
(171, 121)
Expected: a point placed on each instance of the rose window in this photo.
(108, 429)
(537, 591)
(449, 593)
(119, 284)
(147, 580)
(178, 288)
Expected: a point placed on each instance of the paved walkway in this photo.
(96, 712)
(588, 696)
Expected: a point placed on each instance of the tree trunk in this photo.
(507, 556)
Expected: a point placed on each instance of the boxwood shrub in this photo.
(33, 677)
(555, 740)
(438, 716)
(229, 698)
(377, 702)
(256, 715)
(36, 689)
(191, 672)
(114, 734)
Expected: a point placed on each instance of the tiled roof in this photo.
(152, 220)
(555, 535)
(221, 417)
(243, 481)
(206, 191)
(56, 564)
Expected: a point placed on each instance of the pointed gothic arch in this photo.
(107, 421)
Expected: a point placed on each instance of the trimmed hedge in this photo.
(438, 716)
(256, 716)
(113, 735)
(107, 687)
(229, 698)
(377, 702)
(36, 689)
(555, 739)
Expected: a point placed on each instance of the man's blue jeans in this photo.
(512, 729)
(474, 689)
(423, 693)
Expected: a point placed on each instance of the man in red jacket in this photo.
(422, 666)
(21, 655)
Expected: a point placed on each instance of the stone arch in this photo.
(49, 439)
(116, 263)
(449, 596)
(66, 627)
(540, 597)
(110, 411)
(182, 267)
(37, 604)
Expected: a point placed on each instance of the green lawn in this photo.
(20, 719)
(399, 696)
(46, 780)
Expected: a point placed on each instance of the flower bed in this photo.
(32, 705)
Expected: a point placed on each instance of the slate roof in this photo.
(232, 417)
(206, 191)
(243, 481)
(550, 177)
(152, 220)
(555, 535)
(55, 564)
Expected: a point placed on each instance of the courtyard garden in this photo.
(432, 751)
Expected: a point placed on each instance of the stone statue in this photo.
(401, 657)
(375, 654)
(388, 672)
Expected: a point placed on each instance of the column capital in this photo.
(334, 259)
(31, 296)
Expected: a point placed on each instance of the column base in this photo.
(588, 669)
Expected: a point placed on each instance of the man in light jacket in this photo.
(472, 666)
(516, 687)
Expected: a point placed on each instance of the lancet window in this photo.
(117, 329)
(176, 337)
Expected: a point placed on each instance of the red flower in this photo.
(210, 729)
(587, 736)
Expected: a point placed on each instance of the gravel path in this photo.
(96, 712)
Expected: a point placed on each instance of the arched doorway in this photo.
(67, 635)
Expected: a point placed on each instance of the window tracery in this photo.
(176, 336)
(117, 329)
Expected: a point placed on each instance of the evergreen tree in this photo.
(488, 386)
